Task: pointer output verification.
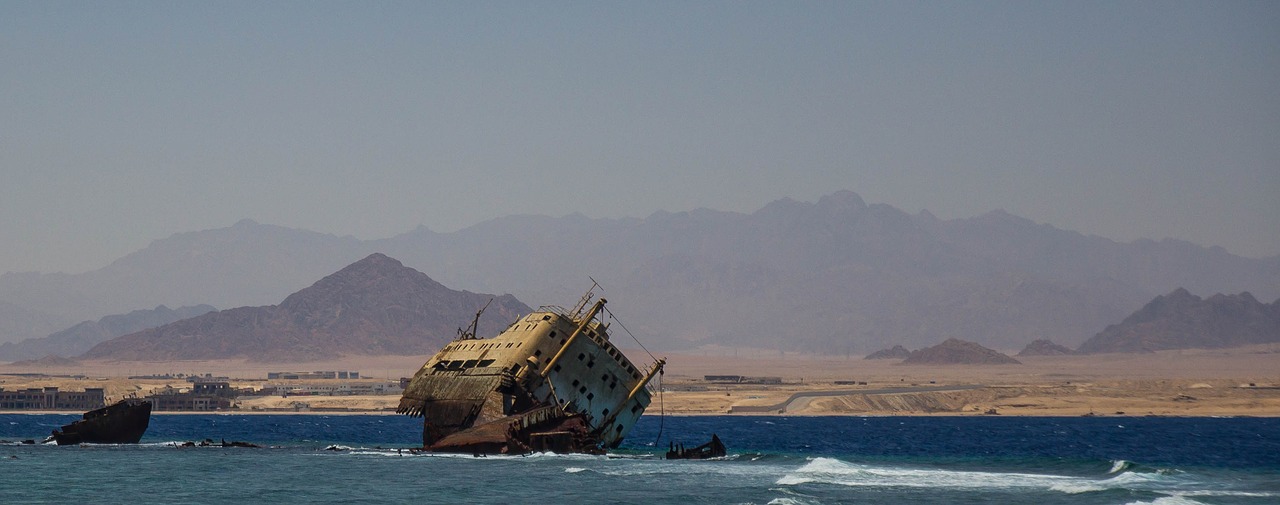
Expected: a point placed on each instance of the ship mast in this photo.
(470, 332)
(586, 297)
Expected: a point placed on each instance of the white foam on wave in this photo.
(373, 452)
(834, 471)
(1167, 500)
(702, 469)
(1248, 494)
(1125, 480)
(790, 501)
(1119, 465)
(1179, 486)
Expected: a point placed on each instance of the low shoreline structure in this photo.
(1197, 383)
(1164, 398)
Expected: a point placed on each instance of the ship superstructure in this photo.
(551, 380)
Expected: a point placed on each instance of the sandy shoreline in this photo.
(1236, 382)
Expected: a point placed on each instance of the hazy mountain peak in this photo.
(842, 200)
(781, 206)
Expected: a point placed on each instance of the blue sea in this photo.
(772, 460)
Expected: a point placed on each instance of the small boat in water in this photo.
(122, 422)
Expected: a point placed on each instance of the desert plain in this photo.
(1219, 382)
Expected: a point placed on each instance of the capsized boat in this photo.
(551, 382)
(122, 422)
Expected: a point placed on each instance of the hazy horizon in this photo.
(127, 122)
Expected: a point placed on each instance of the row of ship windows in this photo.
(468, 347)
(462, 364)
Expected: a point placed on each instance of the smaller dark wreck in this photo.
(122, 422)
(713, 449)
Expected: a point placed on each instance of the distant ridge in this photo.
(374, 306)
(954, 351)
(1044, 347)
(895, 352)
(82, 337)
(47, 361)
(1181, 320)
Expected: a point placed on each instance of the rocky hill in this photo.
(1181, 320)
(1044, 347)
(895, 352)
(374, 306)
(82, 337)
(958, 352)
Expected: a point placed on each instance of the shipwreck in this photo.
(551, 382)
(122, 422)
(713, 449)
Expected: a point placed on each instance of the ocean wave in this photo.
(390, 454)
(705, 469)
(1119, 465)
(791, 501)
(837, 472)
(1167, 500)
(1247, 494)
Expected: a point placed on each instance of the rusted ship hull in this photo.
(546, 429)
(123, 422)
(552, 381)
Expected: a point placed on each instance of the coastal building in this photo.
(336, 389)
(320, 375)
(203, 396)
(50, 398)
(740, 379)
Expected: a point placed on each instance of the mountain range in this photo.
(836, 275)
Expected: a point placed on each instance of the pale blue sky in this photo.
(122, 122)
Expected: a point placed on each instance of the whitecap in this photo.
(1119, 465)
(1077, 487)
(1248, 494)
(789, 501)
(834, 471)
(1167, 500)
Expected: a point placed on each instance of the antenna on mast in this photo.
(586, 298)
(470, 332)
